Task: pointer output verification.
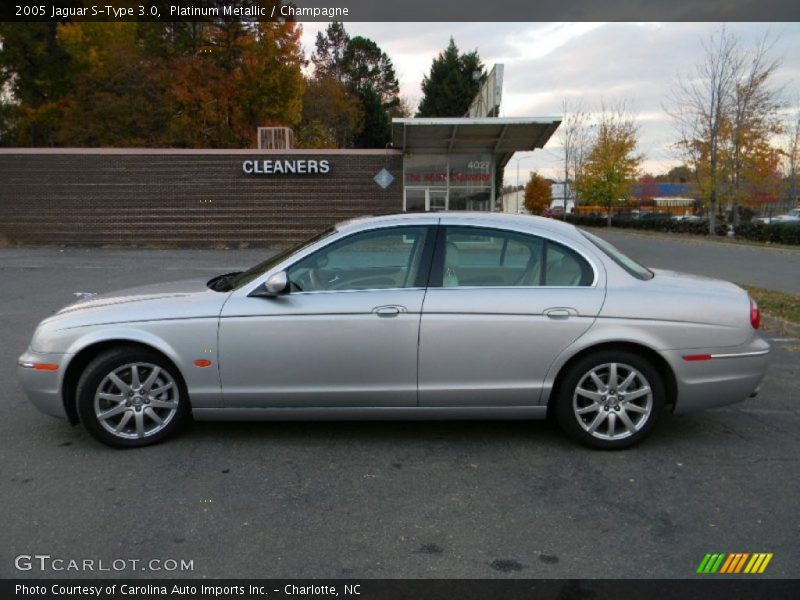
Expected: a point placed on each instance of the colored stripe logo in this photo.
(735, 562)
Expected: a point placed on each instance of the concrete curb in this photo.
(780, 326)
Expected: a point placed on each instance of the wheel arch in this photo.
(659, 363)
(87, 354)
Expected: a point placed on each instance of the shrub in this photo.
(657, 224)
(776, 233)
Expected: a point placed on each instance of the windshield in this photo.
(237, 280)
(623, 260)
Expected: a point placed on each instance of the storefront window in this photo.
(425, 170)
(468, 199)
(415, 199)
(448, 182)
(471, 171)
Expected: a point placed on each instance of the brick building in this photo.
(255, 197)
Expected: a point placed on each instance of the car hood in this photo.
(155, 291)
(190, 298)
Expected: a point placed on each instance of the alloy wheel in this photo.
(612, 401)
(136, 400)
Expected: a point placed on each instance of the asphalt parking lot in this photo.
(760, 266)
(455, 499)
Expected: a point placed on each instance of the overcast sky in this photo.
(546, 62)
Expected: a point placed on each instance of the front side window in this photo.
(373, 260)
(488, 257)
(239, 279)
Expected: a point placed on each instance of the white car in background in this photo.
(793, 216)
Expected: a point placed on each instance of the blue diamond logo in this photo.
(384, 178)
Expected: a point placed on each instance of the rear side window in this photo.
(481, 257)
(623, 260)
(565, 267)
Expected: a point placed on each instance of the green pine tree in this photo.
(452, 83)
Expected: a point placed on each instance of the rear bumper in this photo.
(720, 376)
(43, 387)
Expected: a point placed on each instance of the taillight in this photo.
(755, 314)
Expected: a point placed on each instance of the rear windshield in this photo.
(623, 260)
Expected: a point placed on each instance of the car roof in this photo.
(487, 219)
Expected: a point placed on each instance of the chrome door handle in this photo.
(389, 310)
(559, 313)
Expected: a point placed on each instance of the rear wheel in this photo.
(610, 399)
(129, 397)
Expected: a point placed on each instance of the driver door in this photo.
(345, 336)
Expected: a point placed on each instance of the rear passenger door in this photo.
(501, 305)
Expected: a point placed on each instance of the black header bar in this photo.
(734, 587)
(407, 10)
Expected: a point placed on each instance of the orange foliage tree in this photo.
(204, 84)
(538, 194)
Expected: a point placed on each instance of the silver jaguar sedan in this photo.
(415, 316)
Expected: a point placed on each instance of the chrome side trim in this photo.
(741, 354)
(313, 292)
(25, 364)
(370, 413)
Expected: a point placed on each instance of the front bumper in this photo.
(43, 385)
(727, 376)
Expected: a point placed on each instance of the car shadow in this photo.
(375, 432)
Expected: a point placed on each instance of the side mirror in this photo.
(276, 285)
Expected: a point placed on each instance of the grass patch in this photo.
(776, 304)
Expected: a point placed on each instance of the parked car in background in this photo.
(414, 316)
(553, 211)
(690, 218)
(792, 217)
(638, 215)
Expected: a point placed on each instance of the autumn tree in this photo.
(240, 78)
(452, 83)
(647, 187)
(702, 108)
(118, 93)
(367, 73)
(611, 164)
(538, 194)
(678, 174)
(330, 47)
(332, 116)
(727, 115)
(34, 77)
(371, 76)
(574, 133)
(752, 163)
(203, 84)
(792, 157)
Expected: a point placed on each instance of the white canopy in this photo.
(501, 136)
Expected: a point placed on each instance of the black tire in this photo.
(171, 406)
(568, 400)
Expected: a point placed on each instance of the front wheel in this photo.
(130, 397)
(610, 400)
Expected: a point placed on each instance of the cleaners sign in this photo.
(286, 167)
